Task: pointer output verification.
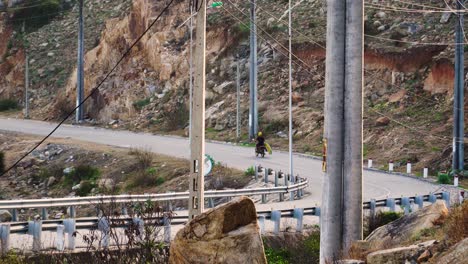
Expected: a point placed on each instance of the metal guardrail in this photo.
(106, 199)
(92, 222)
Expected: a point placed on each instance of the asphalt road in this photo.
(377, 185)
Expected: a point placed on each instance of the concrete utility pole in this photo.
(197, 146)
(26, 78)
(341, 219)
(458, 99)
(291, 172)
(80, 68)
(190, 71)
(253, 111)
(352, 171)
(331, 214)
(26, 87)
(238, 118)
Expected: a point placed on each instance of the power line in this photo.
(94, 89)
(407, 10)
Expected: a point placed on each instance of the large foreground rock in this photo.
(226, 234)
(398, 255)
(456, 254)
(403, 229)
(5, 216)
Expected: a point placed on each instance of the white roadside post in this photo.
(425, 172)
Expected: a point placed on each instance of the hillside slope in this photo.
(408, 88)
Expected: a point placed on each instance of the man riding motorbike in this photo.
(260, 147)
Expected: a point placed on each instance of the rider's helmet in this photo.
(260, 134)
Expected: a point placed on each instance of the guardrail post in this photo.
(210, 202)
(45, 214)
(369, 163)
(261, 223)
(5, 238)
(14, 215)
(299, 215)
(140, 224)
(317, 211)
(408, 168)
(124, 210)
(390, 203)
(276, 178)
(419, 201)
(280, 197)
(266, 173)
(425, 172)
(167, 229)
(372, 206)
(446, 198)
(300, 192)
(256, 167)
(60, 243)
(72, 211)
(276, 218)
(35, 229)
(405, 203)
(292, 193)
(264, 198)
(104, 227)
(390, 166)
(70, 229)
(432, 198)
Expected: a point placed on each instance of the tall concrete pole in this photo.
(291, 172)
(197, 146)
(80, 68)
(253, 111)
(26, 88)
(331, 214)
(190, 71)
(458, 98)
(238, 118)
(352, 171)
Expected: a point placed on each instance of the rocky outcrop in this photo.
(457, 254)
(398, 255)
(226, 234)
(403, 229)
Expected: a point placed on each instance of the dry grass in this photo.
(456, 224)
(144, 156)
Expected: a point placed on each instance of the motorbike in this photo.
(260, 150)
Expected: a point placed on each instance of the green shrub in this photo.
(36, 17)
(159, 181)
(8, 104)
(250, 171)
(380, 219)
(443, 178)
(276, 126)
(177, 119)
(82, 173)
(277, 256)
(2, 162)
(141, 103)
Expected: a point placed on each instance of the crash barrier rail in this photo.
(292, 185)
(69, 226)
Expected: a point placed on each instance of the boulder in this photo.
(445, 17)
(456, 254)
(399, 255)
(224, 87)
(228, 233)
(107, 183)
(382, 121)
(406, 227)
(5, 216)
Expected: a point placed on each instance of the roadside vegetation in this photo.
(8, 104)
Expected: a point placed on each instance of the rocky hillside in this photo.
(408, 60)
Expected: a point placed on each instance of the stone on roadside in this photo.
(382, 121)
(228, 233)
(5, 216)
(406, 227)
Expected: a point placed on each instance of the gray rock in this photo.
(381, 28)
(51, 181)
(380, 15)
(456, 254)
(281, 134)
(5, 216)
(224, 87)
(76, 187)
(68, 170)
(445, 17)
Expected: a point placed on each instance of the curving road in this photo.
(376, 184)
